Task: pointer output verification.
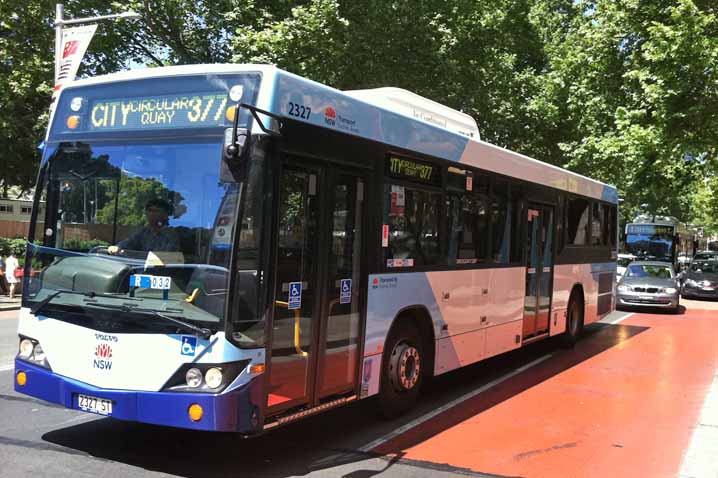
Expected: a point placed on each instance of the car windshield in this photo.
(650, 270)
(705, 256)
(137, 226)
(705, 267)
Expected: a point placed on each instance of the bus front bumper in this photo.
(234, 411)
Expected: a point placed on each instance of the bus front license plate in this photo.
(94, 404)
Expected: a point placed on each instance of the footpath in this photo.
(9, 304)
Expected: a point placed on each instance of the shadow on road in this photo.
(333, 438)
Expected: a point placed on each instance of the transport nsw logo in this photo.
(103, 356)
(384, 283)
(330, 116)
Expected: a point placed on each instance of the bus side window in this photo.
(578, 219)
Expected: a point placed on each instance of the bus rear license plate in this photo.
(94, 404)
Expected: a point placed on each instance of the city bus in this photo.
(662, 238)
(235, 247)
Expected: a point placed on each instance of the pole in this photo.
(59, 10)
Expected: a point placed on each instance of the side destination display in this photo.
(166, 111)
(413, 170)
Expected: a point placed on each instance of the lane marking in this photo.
(700, 457)
(621, 319)
(424, 418)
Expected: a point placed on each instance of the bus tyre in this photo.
(574, 320)
(401, 372)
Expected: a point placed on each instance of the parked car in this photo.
(700, 279)
(649, 284)
(621, 264)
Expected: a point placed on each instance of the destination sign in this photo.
(166, 111)
(649, 229)
(414, 170)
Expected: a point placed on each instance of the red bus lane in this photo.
(623, 402)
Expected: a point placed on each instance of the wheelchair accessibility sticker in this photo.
(189, 345)
(295, 295)
(345, 294)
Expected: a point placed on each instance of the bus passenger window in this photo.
(577, 212)
(413, 219)
(500, 224)
(596, 225)
(468, 218)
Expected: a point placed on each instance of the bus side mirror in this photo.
(234, 143)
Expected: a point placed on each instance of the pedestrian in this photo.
(11, 265)
(3, 282)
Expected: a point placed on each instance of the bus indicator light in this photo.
(257, 369)
(231, 111)
(21, 378)
(73, 122)
(195, 412)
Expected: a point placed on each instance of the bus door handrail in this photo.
(297, 327)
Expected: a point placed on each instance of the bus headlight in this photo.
(193, 377)
(213, 377)
(38, 353)
(205, 377)
(31, 351)
(26, 348)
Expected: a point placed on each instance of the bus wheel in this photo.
(574, 320)
(401, 375)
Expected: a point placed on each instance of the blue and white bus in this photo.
(234, 247)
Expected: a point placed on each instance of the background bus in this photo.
(661, 238)
(357, 244)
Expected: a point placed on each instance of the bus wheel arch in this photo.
(575, 314)
(407, 360)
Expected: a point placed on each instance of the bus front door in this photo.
(318, 289)
(539, 270)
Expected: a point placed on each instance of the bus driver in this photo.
(156, 236)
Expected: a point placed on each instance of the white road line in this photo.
(621, 319)
(418, 421)
(701, 457)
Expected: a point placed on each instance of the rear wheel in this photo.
(401, 377)
(574, 320)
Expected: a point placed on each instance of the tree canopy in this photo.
(624, 91)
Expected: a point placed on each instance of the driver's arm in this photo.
(133, 242)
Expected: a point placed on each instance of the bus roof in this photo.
(297, 98)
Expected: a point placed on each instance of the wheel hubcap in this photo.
(406, 367)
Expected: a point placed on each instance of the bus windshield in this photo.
(655, 245)
(143, 227)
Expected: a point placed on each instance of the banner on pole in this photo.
(74, 45)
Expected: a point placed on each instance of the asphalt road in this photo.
(39, 439)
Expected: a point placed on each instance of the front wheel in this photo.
(574, 320)
(401, 373)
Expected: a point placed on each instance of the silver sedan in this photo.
(649, 284)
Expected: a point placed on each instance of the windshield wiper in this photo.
(38, 306)
(202, 332)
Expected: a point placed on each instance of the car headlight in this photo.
(31, 351)
(670, 290)
(692, 283)
(624, 288)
